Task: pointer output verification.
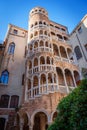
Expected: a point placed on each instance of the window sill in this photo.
(2, 84)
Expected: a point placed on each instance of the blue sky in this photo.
(66, 12)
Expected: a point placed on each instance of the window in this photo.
(80, 30)
(78, 52)
(15, 31)
(86, 47)
(14, 101)
(11, 48)
(4, 101)
(4, 77)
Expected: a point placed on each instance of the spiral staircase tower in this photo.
(51, 72)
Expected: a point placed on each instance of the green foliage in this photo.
(72, 110)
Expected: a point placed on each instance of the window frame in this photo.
(4, 77)
(78, 52)
(14, 102)
(11, 48)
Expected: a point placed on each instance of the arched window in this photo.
(4, 77)
(14, 101)
(11, 48)
(4, 101)
(78, 52)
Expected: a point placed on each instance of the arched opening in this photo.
(45, 33)
(41, 32)
(69, 78)
(44, 23)
(65, 38)
(48, 60)
(30, 64)
(25, 118)
(55, 50)
(69, 51)
(77, 77)
(42, 60)
(50, 78)
(36, 33)
(2, 123)
(41, 43)
(40, 121)
(35, 62)
(60, 76)
(52, 33)
(35, 81)
(40, 22)
(54, 116)
(63, 52)
(35, 44)
(29, 84)
(31, 36)
(43, 79)
(36, 23)
(59, 37)
(46, 44)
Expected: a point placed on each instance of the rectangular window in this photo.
(15, 31)
(80, 30)
(86, 47)
(14, 101)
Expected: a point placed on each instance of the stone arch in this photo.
(53, 115)
(36, 23)
(77, 77)
(48, 60)
(55, 50)
(30, 64)
(60, 76)
(35, 81)
(29, 84)
(69, 78)
(35, 61)
(50, 80)
(69, 51)
(43, 79)
(46, 44)
(35, 33)
(45, 32)
(41, 43)
(59, 36)
(25, 118)
(35, 44)
(35, 112)
(42, 60)
(63, 52)
(41, 32)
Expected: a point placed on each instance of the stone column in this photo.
(67, 54)
(74, 79)
(30, 127)
(21, 126)
(65, 81)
